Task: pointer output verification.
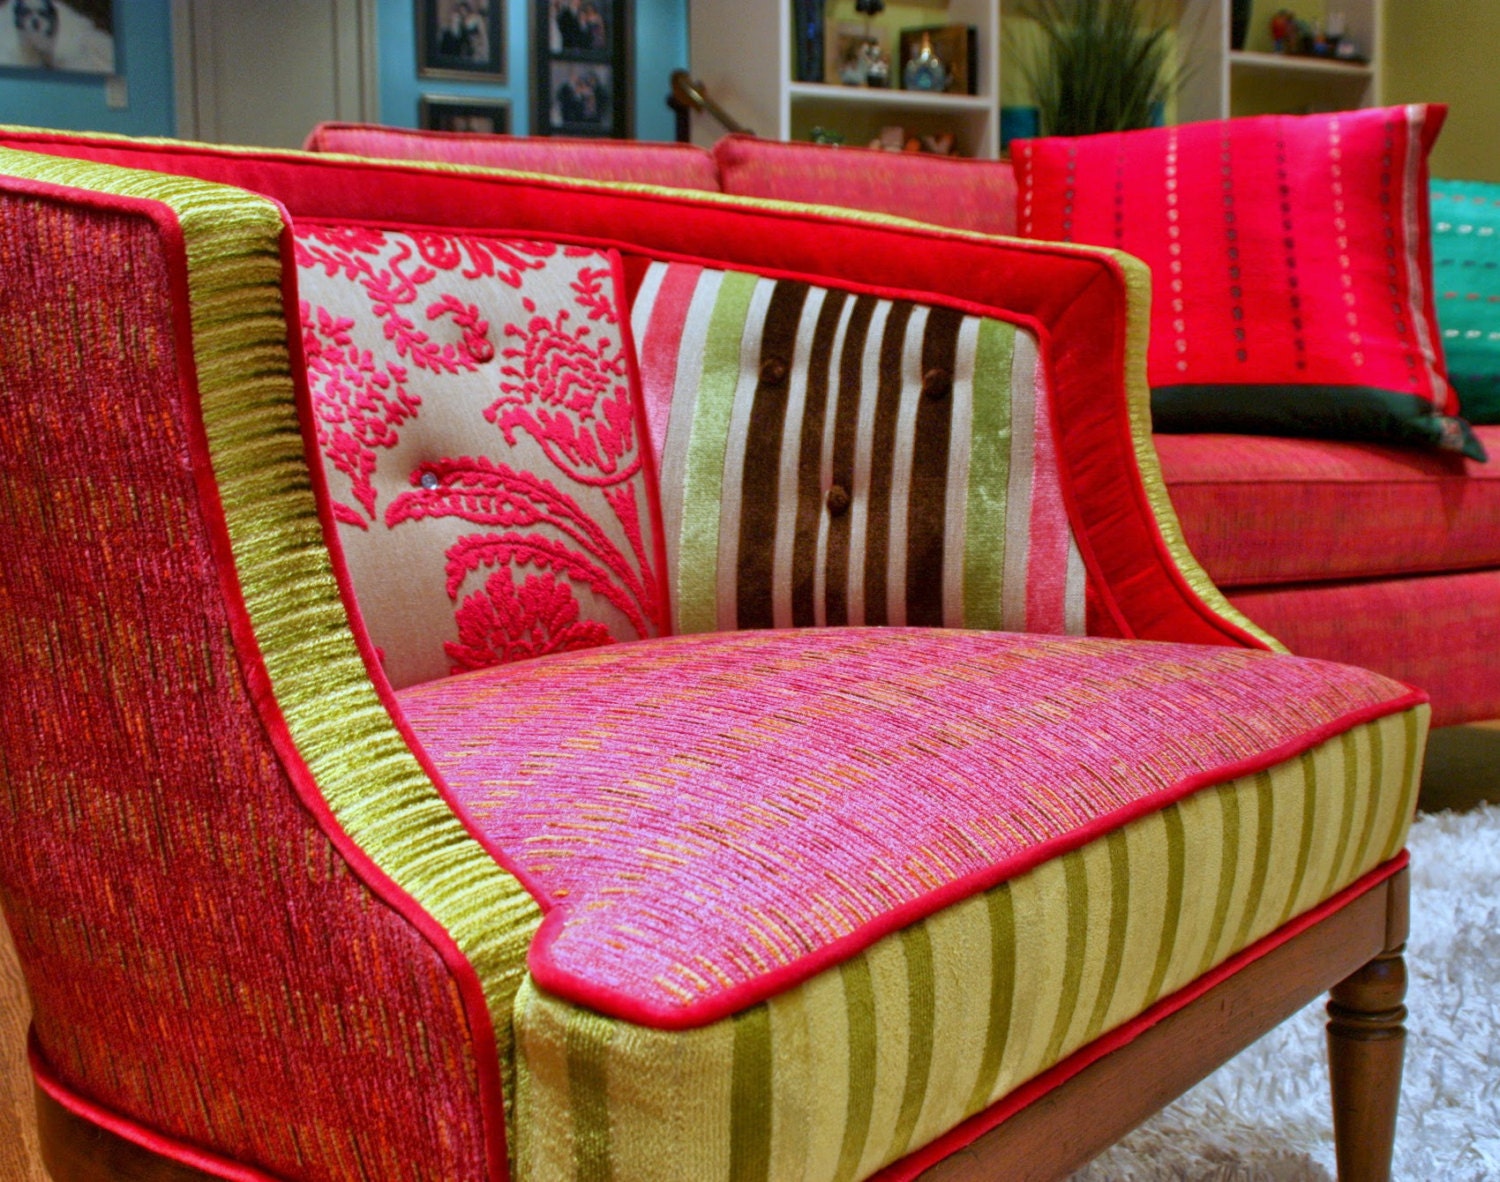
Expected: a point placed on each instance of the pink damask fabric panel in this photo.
(476, 409)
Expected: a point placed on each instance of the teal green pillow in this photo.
(1466, 280)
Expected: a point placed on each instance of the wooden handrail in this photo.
(687, 95)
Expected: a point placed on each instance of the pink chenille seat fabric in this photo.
(709, 819)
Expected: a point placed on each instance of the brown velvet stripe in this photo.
(926, 512)
(810, 490)
(845, 427)
(758, 501)
(882, 461)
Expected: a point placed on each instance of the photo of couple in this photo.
(461, 38)
(577, 25)
(581, 95)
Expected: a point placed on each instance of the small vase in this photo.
(925, 71)
(1239, 22)
(809, 17)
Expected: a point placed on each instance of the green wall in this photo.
(1445, 51)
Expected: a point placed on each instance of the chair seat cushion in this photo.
(870, 880)
(1258, 510)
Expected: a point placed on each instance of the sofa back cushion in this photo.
(473, 400)
(833, 456)
(679, 166)
(961, 194)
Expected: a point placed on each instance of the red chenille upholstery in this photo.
(676, 165)
(966, 194)
(1261, 510)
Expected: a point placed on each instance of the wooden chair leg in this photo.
(1366, 1045)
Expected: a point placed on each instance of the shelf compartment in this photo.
(1286, 63)
(891, 97)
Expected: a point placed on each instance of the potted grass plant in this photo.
(1100, 65)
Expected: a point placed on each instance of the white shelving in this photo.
(747, 63)
(744, 53)
(1220, 82)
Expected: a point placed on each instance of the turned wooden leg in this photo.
(1366, 1043)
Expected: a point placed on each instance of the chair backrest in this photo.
(679, 166)
(1086, 308)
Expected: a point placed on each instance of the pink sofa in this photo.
(1371, 555)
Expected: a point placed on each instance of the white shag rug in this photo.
(1265, 1116)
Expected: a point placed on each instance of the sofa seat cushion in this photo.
(831, 892)
(1258, 510)
(1440, 632)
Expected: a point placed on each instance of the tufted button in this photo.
(773, 371)
(482, 351)
(936, 384)
(430, 480)
(837, 500)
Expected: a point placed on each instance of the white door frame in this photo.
(358, 81)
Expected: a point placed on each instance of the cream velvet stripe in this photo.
(828, 458)
(858, 1066)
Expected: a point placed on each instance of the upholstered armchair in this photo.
(525, 677)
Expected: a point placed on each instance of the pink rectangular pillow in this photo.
(1291, 267)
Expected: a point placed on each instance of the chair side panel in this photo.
(200, 958)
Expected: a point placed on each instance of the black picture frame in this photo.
(442, 112)
(461, 39)
(581, 74)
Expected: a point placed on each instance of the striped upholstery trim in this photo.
(835, 458)
(864, 1063)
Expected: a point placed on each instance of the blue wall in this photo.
(143, 56)
(143, 45)
(661, 46)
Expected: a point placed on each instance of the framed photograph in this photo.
(581, 82)
(956, 46)
(461, 39)
(445, 113)
(68, 36)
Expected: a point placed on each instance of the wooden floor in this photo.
(1463, 770)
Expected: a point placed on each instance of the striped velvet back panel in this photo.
(829, 457)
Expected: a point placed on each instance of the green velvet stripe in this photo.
(989, 475)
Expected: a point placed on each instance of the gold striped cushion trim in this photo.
(864, 1063)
